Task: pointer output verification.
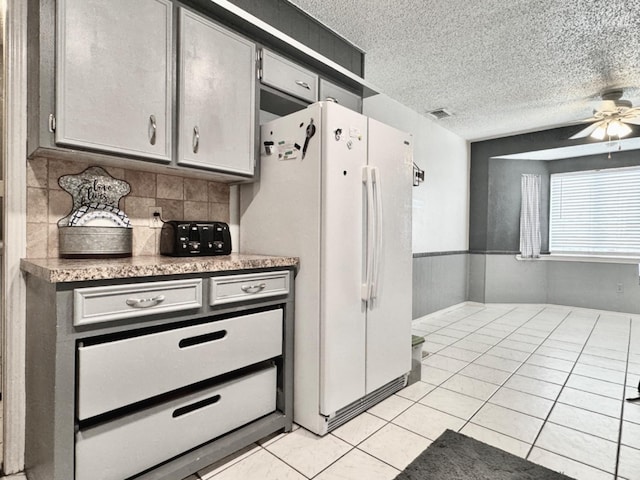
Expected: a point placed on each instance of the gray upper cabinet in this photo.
(346, 98)
(217, 90)
(113, 76)
(288, 77)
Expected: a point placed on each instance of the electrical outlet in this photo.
(619, 288)
(155, 217)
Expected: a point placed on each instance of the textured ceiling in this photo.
(500, 66)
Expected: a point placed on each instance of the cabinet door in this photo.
(342, 96)
(217, 97)
(289, 77)
(113, 81)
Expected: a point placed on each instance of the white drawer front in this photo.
(235, 288)
(115, 374)
(284, 75)
(131, 444)
(115, 302)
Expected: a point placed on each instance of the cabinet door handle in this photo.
(332, 99)
(153, 127)
(253, 288)
(145, 302)
(196, 139)
(303, 84)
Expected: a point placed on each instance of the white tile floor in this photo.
(546, 383)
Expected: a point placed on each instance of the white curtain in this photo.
(530, 216)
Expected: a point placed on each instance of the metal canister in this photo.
(94, 242)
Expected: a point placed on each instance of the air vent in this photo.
(439, 113)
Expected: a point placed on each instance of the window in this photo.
(595, 212)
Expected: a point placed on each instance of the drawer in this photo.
(133, 443)
(288, 77)
(115, 302)
(342, 96)
(236, 288)
(118, 373)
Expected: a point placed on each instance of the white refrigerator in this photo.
(335, 190)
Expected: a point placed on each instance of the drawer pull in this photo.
(195, 406)
(197, 340)
(145, 302)
(303, 84)
(253, 288)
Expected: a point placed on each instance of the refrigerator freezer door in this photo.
(342, 327)
(280, 215)
(388, 343)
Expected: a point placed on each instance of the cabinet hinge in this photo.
(52, 123)
(260, 64)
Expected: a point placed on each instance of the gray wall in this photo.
(494, 222)
(439, 281)
(494, 227)
(495, 278)
(490, 272)
(503, 203)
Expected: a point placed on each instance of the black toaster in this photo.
(182, 238)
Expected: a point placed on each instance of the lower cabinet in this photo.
(123, 447)
(163, 394)
(118, 373)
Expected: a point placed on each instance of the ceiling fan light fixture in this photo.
(616, 128)
(600, 132)
(611, 128)
(611, 119)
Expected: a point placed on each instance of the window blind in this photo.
(595, 212)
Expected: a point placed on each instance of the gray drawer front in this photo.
(236, 288)
(115, 302)
(119, 373)
(330, 91)
(133, 443)
(288, 77)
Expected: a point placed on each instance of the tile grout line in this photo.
(576, 461)
(291, 466)
(468, 334)
(514, 372)
(555, 402)
(479, 354)
(544, 420)
(522, 362)
(495, 345)
(624, 395)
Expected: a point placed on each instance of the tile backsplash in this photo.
(179, 197)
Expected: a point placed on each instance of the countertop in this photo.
(60, 270)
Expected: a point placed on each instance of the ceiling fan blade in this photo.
(632, 120)
(586, 131)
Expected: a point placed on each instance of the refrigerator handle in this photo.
(368, 232)
(377, 228)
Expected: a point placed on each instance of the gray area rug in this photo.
(454, 456)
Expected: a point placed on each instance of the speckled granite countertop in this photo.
(60, 270)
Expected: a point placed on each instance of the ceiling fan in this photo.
(611, 119)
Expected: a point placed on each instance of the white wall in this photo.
(440, 204)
